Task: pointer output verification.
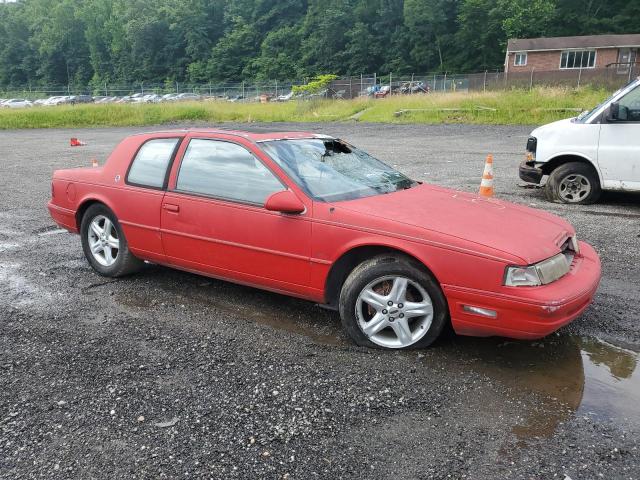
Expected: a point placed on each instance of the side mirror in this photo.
(284, 202)
(614, 112)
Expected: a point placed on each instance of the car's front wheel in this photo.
(573, 182)
(104, 243)
(391, 302)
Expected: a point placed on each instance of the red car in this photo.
(313, 217)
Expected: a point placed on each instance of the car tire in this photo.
(107, 253)
(574, 183)
(375, 313)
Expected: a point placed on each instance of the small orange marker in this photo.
(486, 186)
(74, 142)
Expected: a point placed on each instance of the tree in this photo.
(233, 52)
(124, 41)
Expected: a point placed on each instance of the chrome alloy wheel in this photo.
(574, 188)
(103, 240)
(394, 312)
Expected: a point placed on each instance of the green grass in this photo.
(541, 105)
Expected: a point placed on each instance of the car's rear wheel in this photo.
(573, 182)
(104, 243)
(391, 302)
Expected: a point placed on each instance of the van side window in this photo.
(630, 106)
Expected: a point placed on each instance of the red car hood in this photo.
(529, 234)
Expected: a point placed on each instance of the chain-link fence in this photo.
(237, 91)
(611, 77)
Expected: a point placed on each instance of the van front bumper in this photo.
(530, 173)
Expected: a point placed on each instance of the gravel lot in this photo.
(171, 375)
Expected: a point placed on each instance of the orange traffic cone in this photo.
(94, 162)
(486, 186)
(76, 143)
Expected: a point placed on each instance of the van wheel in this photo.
(391, 302)
(573, 182)
(104, 243)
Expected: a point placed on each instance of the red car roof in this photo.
(254, 136)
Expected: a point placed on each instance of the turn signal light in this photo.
(485, 312)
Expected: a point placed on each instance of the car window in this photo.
(149, 168)
(225, 170)
(630, 106)
(330, 170)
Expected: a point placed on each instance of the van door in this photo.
(619, 145)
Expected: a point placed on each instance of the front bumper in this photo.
(530, 173)
(528, 312)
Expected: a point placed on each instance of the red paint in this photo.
(465, 240)
(285, 202)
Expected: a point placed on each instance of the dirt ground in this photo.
(167, 374)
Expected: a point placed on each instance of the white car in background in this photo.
(598, 150)
(17, 103)
(58, 100)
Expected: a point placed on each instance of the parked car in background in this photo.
(183, 97)
(61, 100)
(105, 99)
(385, 91)
(414, 87)
(598, 150)
(81, 99)
(16, 103)
(151, 98)
(313, 217)
(285, 98)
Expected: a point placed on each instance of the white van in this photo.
(598, 150)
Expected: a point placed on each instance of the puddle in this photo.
(271, 309)
(569, 375)
(572, 376)
(612, 382)
(57, 231)
(19, 289)
(4, 246)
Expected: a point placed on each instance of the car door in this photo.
(138, 202)
(213, 219)
(619, 145)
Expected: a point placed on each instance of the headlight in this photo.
(542, 273)
(522, 277)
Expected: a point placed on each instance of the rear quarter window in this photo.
(149, 167)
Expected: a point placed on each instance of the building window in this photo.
(520, 60)
(578, 59)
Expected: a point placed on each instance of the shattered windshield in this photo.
(331, 170)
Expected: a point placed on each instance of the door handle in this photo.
(171, 208)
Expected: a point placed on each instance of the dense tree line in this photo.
(123, 41)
